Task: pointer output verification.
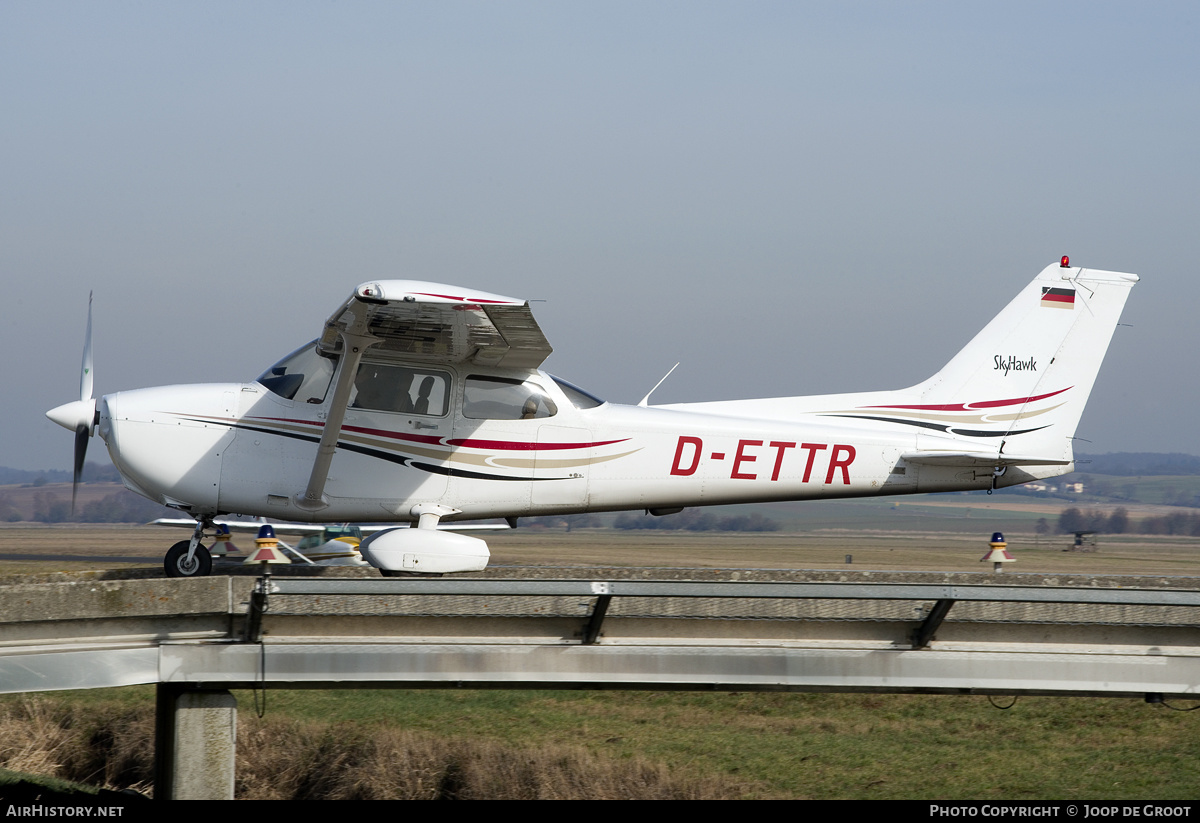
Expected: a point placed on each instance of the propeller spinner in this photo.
(80, 415)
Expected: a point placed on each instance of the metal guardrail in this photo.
(291, 632)
(651, 588)
(944, 596)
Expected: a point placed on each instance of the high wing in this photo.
(423, 321)
(434, 323)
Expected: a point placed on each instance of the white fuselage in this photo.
(239, 447)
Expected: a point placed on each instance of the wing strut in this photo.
(355, 340)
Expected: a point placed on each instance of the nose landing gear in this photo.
(188, 558)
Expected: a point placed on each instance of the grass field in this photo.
(647, 744)
(833, 746)
(946, 533)
(467, 743)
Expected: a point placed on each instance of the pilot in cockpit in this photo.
(423, 391)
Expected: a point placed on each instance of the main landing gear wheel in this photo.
(176, 564)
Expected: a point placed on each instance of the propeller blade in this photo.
(85, 371)
(80, 415)
(83, 433)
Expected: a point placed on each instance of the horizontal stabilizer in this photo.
(971, 460)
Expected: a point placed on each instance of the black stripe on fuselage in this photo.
(399, 459)
(938, 426)
(919, 423)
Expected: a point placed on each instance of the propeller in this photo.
(80, 415)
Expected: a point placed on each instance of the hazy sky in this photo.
(790, 198)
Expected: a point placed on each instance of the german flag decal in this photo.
(1058, 298)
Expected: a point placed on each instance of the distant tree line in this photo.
(121, 506)
(1138, 464)
(1118, 522)
(1180, 523)
(1093, 520)
(564, 521)
(92, 473)
(697, 520)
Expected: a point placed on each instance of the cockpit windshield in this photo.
(303, 375)
(579, 398)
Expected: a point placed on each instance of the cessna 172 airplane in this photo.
(423, 402)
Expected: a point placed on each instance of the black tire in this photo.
(201, 565)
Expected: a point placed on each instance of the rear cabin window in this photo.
(502, 398)
(401, 389)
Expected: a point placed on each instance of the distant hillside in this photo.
(100, 502)
(92, 473)
(1138, 464)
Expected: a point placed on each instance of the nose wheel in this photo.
(188, 558)
(178, 564)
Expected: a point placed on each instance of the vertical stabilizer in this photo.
(1024, 380)
(1011, 398)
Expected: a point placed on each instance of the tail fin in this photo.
(1011, 398)
(1023, 381)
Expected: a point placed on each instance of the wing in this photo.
(428, 322)
(435, 323)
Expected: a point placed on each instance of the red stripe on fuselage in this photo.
(506, 445)
(412, 438)
(986, 404)
(499, 445)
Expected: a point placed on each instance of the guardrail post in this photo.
(592, 631)
(258, 607)
(195, 736)
(924, 633)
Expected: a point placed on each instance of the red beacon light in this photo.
(1066, 262)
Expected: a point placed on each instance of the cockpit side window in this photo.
(402, 389)
(303, 375)
(503, 398)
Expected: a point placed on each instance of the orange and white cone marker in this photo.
(223, 547)
(998, 553)
(266, 548)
